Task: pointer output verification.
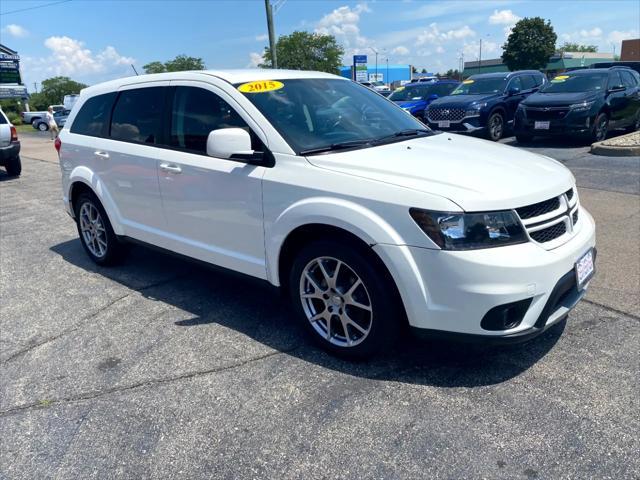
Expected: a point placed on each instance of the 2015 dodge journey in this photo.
(318, 185)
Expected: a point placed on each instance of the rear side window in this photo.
(137, 116)
(93, 115)
(3, 121)
(528, 82)
(195, 112)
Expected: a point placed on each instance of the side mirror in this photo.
(513, 91)
(433, 96)
(229, 143)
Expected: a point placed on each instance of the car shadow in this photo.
(4, 176)
(257, 310)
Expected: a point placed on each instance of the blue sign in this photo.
(359, 59)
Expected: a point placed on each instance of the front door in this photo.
(213, 206)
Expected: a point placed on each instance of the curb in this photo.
(599, 148)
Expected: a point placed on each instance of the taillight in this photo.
(22, 115)
(14, 134)
(58, 144)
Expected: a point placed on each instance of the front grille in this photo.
(538, 209)
(551, 114)
(575, 217)
(549, 233)
(451, 114)
(569, 194)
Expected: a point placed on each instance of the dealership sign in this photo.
(360, 68)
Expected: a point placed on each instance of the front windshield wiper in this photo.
(336, 146)
(410, 132)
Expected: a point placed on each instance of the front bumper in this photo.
(574, 123)
(467, 124)
(451, 292)
(10, 151)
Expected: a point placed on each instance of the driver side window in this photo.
(195, 112)
(515, 83)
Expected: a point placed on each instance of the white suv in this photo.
(319, 185)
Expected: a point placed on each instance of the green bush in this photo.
(14, 118)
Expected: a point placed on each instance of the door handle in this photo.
(100, 154)
(170, 167)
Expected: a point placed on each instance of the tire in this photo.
(370, 312)
(14, 166)
(600, 128)
(34, 122)
(495, 126)
(43, 127)
(634, 127)
(95, 231)
(524, 138)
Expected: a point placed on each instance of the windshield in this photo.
(421, 92)
(574, 83)
(481, 86)
(316, 113)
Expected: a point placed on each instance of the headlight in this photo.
(469, 231)
(581, 107)
(474, 110)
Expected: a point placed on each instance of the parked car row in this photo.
(582, 103)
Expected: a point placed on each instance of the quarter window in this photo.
(194, 113)
(93, 116)
(137, 116)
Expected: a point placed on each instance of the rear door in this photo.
(512, 101)
(632, 97)
(213, 206)
(618, 101)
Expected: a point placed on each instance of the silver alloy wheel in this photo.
(495, 126)
(43, 127)
(93, 231)
(336, 302)
(601, 129)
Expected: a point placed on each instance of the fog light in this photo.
(505, 317)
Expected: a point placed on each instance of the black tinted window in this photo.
(93, 115)
(137, 116)
(615, 80)
(628, 79)
(528, 82)
(3, 121)
(195, 112)
(516, 83)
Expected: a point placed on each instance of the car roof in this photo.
(587, 71)
(422, 84)
(505, 74)
(231, 76)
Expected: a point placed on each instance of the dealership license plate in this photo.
(444, 124)
(541, 125)
(584, 269)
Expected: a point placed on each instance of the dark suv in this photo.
(586, 103)
(484, 103)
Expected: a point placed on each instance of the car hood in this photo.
(475, 174)
(411, 103)
(461, 100)
(541, 99)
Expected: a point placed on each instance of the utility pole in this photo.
(272, 39)
(480, 57)
(376, 52)
(35, 86)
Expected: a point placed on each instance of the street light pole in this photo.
(376, 52)
(272, 39)
(480, 57)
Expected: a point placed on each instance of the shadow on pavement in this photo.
(256, 309)
(4, 176)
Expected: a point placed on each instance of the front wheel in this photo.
(495, 126)
(600, 128)
(96, 234)
(14, 166)
(345, 303)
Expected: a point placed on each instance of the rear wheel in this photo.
(636, 125)
(96, 234)
(344, 302)
(600, 128)
(495, 126)
(43, 127)
(14, 166)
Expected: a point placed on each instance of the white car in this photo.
(9, 147)
(320, 186)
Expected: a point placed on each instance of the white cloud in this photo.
(503, 17)
(400, 50)
(255, 59)
(434, 35)
(262, 38)
(593, 33)
(471, 51)
(343, 24)
(15, 30)
(617, 36)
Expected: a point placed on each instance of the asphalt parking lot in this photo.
(160, 368)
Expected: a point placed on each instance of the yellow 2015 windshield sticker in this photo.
(560, 78)
(261, 86)
(399, 89)
(466, 82)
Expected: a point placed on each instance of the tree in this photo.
(576, 47)
(53, 92)
(424, 70)
(179, 64)
(530, 44)
(306, 51)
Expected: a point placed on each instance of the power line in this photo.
(34, 7)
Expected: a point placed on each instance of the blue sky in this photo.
(96, 40)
